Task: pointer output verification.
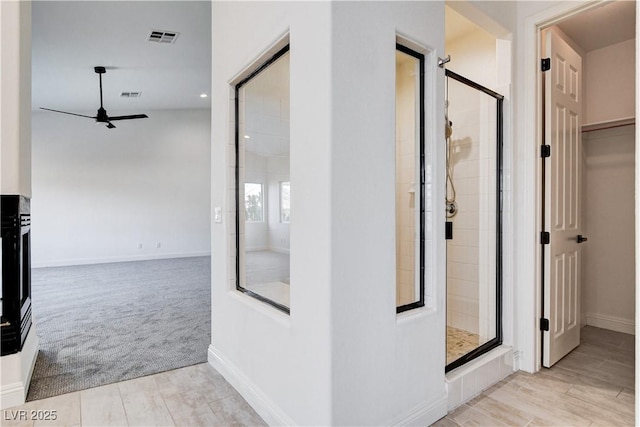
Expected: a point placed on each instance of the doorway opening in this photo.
(120, 214)
(587, 176)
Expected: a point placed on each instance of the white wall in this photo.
(15, 98)
(280, 363)
(474, 55)
(15, 160)
(386, 368)
(343, 356)
(98, 193)
(608, 269)
(610, 83)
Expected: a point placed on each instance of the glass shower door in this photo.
(473, 207)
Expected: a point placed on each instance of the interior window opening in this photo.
(410, 180)
(263, 191)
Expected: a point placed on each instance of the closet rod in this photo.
(611, 126)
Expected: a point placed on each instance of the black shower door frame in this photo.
(497, 341)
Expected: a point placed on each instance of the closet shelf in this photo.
(590, 127)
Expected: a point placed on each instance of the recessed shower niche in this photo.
(263, 185)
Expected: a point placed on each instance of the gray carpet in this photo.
(104, 323)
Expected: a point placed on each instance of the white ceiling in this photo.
(607, 24)
(70, 38)
(610, 23)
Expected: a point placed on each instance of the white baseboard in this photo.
(425, 415)
(257, 249)
(11, 395)
(612, 323)
(274, 416)
(279, 250)
(110, 259)
(16, 371)
(265, 407)
(268, 249)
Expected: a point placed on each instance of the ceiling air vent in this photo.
(159, 36)
(131, 94)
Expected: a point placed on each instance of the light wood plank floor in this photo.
(592, 386)
(192, 396)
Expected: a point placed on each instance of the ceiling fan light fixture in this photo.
(102, 116)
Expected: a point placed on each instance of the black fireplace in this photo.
(16, 273)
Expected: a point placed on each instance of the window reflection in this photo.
(264, 183)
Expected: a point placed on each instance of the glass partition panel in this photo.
(409, 179)
(473, 210)
(263, 191)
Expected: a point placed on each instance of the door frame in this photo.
(527, 194)
(527, 159)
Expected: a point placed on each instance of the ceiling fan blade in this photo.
(64, 112)
(102, 116)
(134, 116)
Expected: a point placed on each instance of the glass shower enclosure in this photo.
(474, 138)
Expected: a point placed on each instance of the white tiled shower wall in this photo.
(470, 260)
(463, 250)
(406, 180)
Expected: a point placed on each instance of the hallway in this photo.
(593, 385)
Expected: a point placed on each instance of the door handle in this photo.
(581, 238)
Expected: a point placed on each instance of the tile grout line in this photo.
(80, 407)
(165, 404)
(124, 407)
(595, 405)
(126, 417)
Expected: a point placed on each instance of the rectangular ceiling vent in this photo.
(159, 36)
(131, 94)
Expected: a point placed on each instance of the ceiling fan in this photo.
(102, 116)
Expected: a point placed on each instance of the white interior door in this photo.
(563, 114)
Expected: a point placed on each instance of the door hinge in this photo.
(545, 64)
(544, 324)
(544, 237)
(448, 230)
(545, 151)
